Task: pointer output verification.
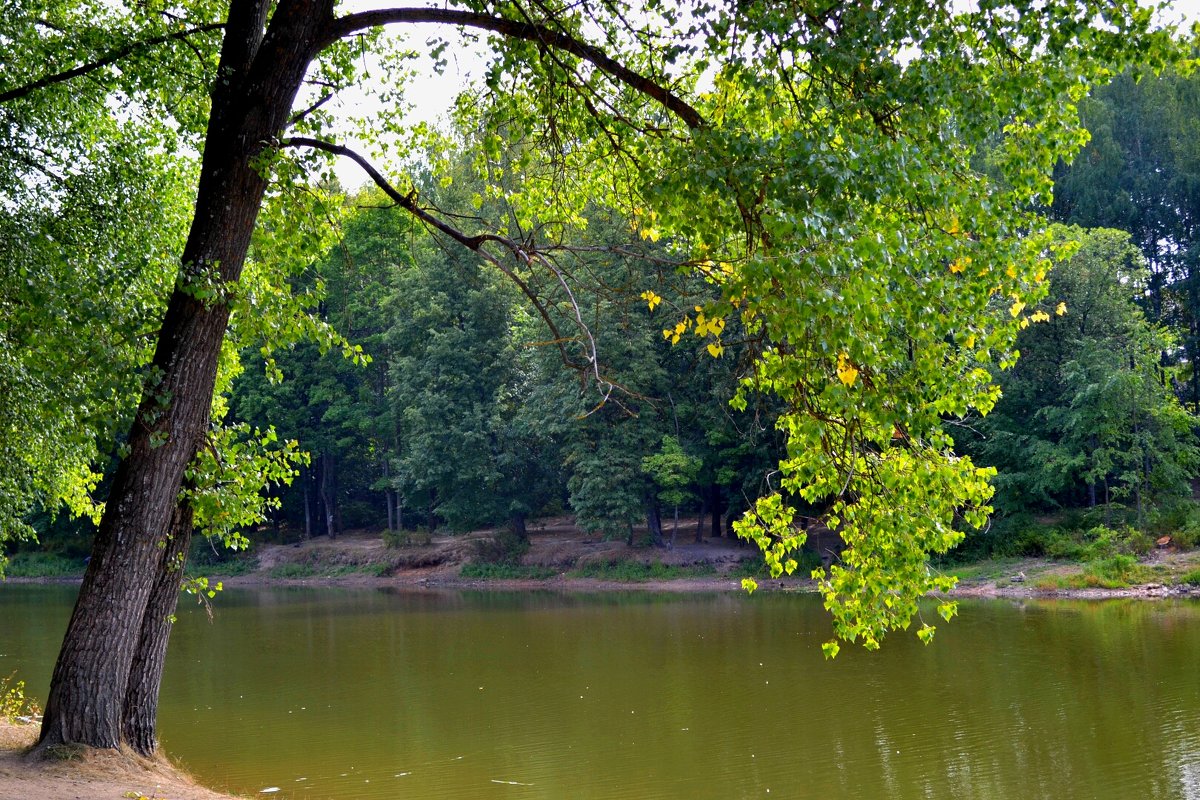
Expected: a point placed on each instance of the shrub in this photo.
(14, 705)
(1191, 578)
(1104, 542)
(43, 565)
(505, 547)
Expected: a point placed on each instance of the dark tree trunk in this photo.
(703, 513)
(328, 495)
(306, 481)
(716, 508)
(654, 521)
(517, 523)
(145, 675)
(250, 105)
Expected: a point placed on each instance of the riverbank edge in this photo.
(563, 583)
(91, 774)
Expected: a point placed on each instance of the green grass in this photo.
(994, 569)
(756, 567)
(636, 571)
(231, 568)
(43, 565)
(294, 570)
(1191, 578)
(501, 572)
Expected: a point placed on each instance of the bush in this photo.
(756, 567)
(43, 565)
(505, 547)
(1191, 578)
(1104, 542)
(14, 705)
(1113, 572)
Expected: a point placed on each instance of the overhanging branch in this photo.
(525, 254)
(109, 58)
(515, 29)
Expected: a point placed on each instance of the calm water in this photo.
(341, 694)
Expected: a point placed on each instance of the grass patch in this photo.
(995, 569)
(1191, 578)
(293, 571)
(756, 567)
(233, 567)
(636, 571)
(302, 570)
(43, 565)
(503, 572)
(1113, 572)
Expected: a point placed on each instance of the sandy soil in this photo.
(88, 774)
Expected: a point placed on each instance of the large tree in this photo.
(826, 184)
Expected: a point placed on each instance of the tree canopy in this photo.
(827, 184)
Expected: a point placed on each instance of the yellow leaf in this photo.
(1061, 309)
(846, 371)
(715, 349)
(959, 264)
(1025, 323)
(970, 341)
(953, 228)
(1039, 316)
(1016, 308)
(651, 299)
(1011, 271)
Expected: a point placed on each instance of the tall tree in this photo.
(831, 166)
(1089, 414)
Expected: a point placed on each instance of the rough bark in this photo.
(140, 712)
(259, 75)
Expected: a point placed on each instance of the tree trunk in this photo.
(517, 523)
(715, 509)
(328, 495)
(703, 513)
(654, 521)
(145, 676)
(306, 481)
(260, 73)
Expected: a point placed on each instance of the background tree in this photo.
(1088, 414)
(831, 165)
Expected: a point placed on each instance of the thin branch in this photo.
(111, 57)
(526, 254)
(530, 32)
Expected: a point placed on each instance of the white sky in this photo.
(432, 95)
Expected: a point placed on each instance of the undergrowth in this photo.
(636, 571)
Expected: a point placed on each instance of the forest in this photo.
(758, 265)
(438, 396)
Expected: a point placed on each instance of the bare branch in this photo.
(111, 57)
(515, 29)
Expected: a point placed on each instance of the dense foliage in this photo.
(849, 194)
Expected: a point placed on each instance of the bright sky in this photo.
(432, 95)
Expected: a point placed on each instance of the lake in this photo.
(326, 693)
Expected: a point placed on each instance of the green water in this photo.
(363, 694)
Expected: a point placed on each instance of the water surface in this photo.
(328, 694)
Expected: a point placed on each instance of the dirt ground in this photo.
(362, 559)
(88, 775)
